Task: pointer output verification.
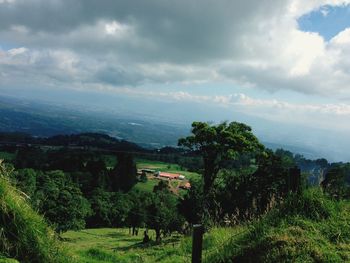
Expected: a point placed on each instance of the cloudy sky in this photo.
(286, 62)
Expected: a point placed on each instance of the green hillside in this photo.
(25, 235)
(118, 245)
(310, 228)
(255, 204)
(306, 228)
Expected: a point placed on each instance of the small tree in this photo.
(137, 214)
(162, 210)
(143, 177)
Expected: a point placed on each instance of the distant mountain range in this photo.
(45, 119)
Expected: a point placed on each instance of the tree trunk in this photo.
(209, 174)
(158, 237)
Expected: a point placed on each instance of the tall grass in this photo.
(306, 228)
(24, 235)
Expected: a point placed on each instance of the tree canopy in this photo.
(218, 143)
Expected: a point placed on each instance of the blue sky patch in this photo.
(328, 20)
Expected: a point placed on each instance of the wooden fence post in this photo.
(197, 241)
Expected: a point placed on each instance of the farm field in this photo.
(164, 167)
(146, 186)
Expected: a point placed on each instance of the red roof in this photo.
(169, 175)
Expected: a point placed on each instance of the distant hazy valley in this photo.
(46, 119)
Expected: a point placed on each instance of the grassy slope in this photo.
(147, 186)
(117, 245)
(308, 229)
(7, 260)
(24, 234)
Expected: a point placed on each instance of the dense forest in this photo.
(88, 181)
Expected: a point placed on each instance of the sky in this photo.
(279, 64)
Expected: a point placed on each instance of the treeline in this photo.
(75, 189)
(96, 140)
(12, 142)
(88, 182)
(333, 177)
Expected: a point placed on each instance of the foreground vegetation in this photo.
(88, 185)
(24, 235)
(118, 245)
(307, 228)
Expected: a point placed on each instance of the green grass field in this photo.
(147, 186)
(117, 245)
(164, 167)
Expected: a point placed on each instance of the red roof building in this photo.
(169, 175)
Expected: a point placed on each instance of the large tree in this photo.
(61, 201)
(124, 175)
(218, 143)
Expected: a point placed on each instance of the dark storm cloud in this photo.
(164, 30)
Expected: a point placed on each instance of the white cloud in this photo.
(7, 1)
(115, 28)
(343, 38)
(322, 115)
(17, 51)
